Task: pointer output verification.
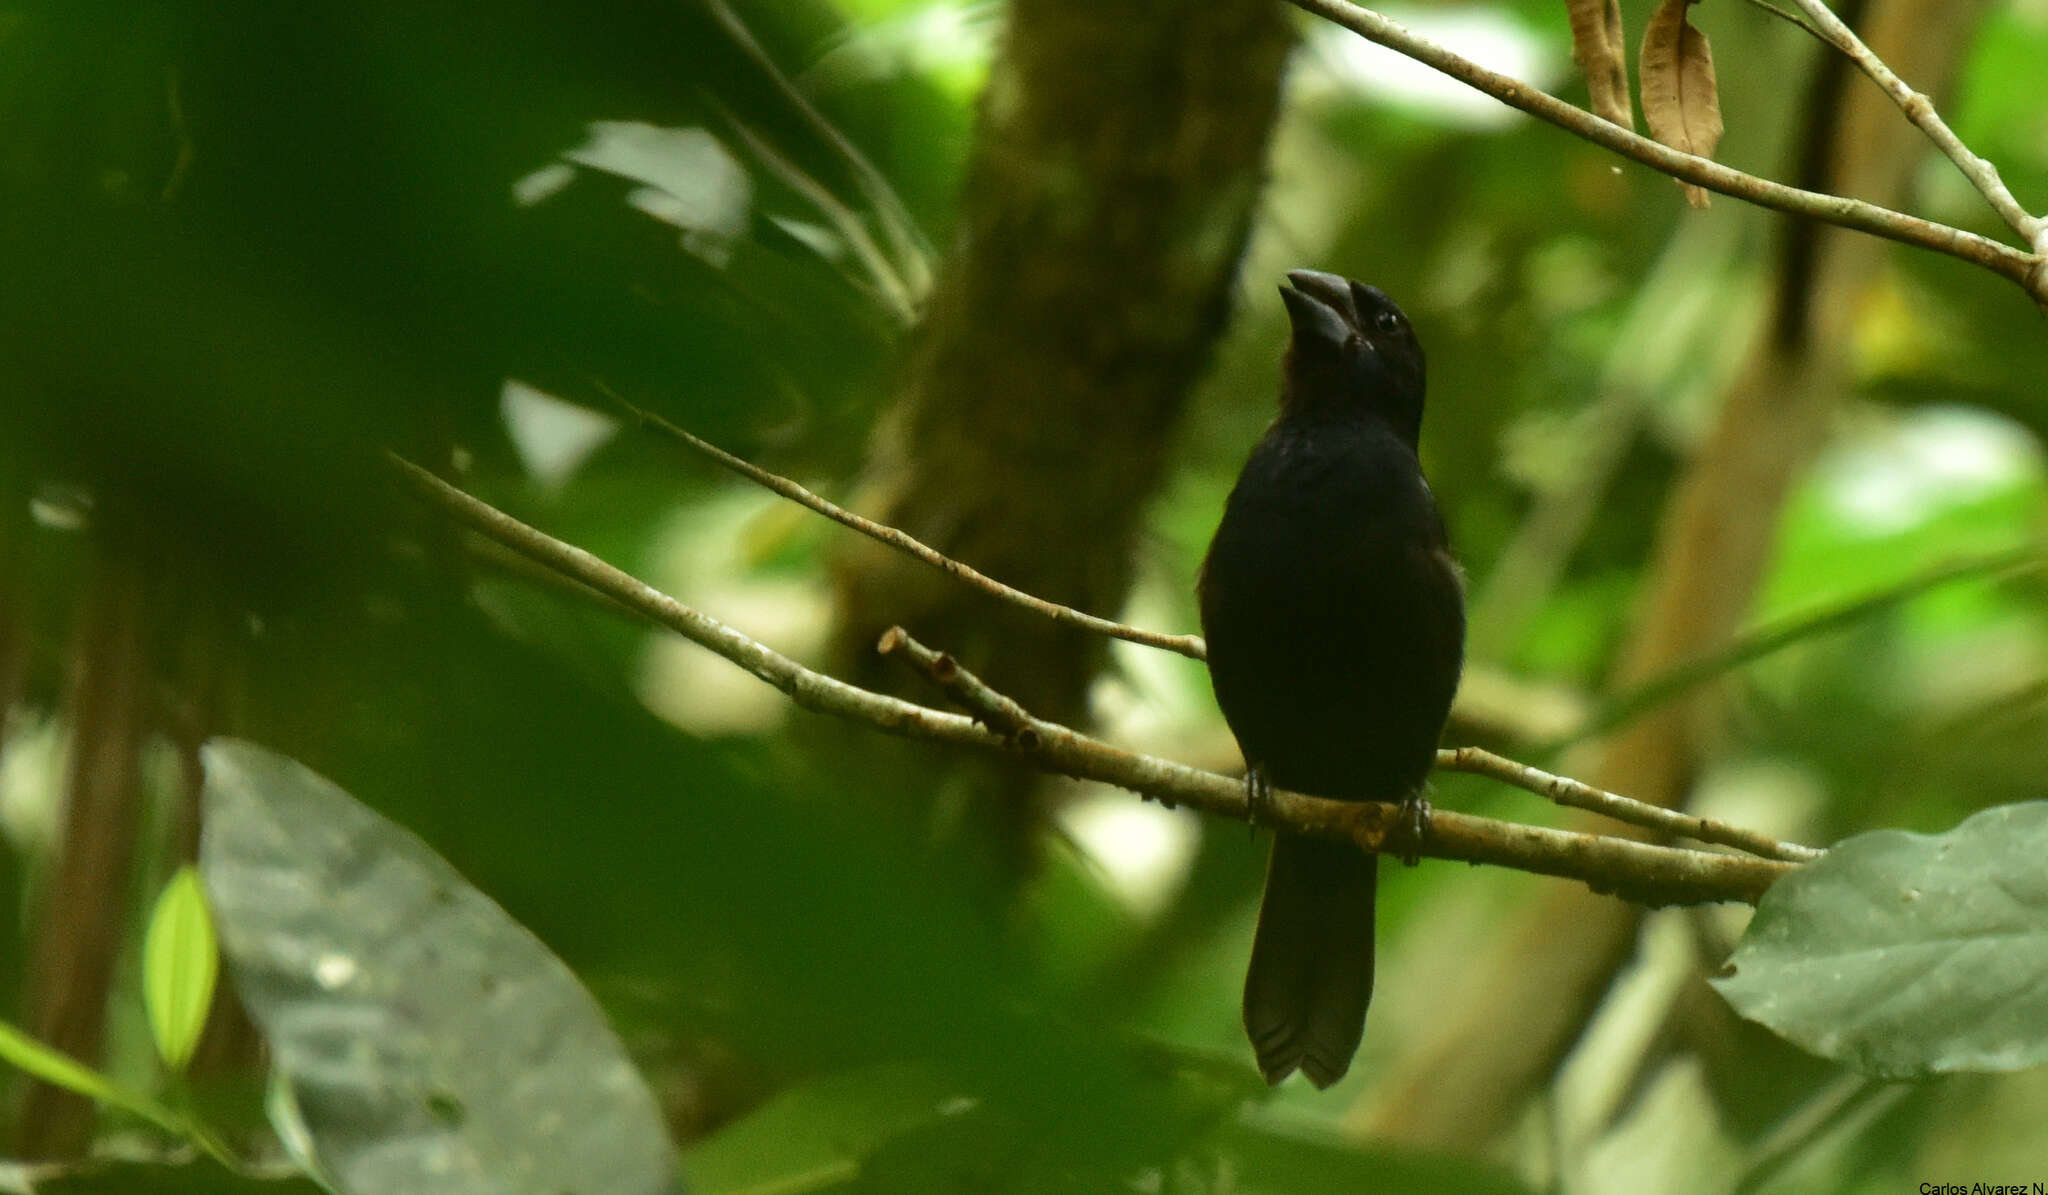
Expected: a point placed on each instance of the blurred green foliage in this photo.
(249, 246)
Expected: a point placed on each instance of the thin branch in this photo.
(1755, 645)
(1579, 795)
(912, 251)
(1003, 715)
(1187, 645)
(889, 286)
(1920, 110)
(1790, 18)
(994, 710)
(2029, 270)
(1639, 871)
(1848, 1097)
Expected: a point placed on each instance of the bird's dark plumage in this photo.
(1335, 622)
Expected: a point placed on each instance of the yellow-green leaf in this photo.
(61, 1070)
(180, 961)
(1681, 102)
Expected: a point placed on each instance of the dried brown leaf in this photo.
(1602, 55)
(1681, 102)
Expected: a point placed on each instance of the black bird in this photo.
(1335, 618)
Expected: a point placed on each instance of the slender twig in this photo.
(994, 710)
(1622, 707)
(1004, 716)
(2028, 269)
(888, 285)
(1790, 18)
(1849, 1097)
(1579, 795)
(1920, 110)
(1187, 645)
(1640, 871)
(912, 252)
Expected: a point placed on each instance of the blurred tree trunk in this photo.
(1500, 1038)
(1117, 165)
(82, 910)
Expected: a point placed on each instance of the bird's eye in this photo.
(1387, 321)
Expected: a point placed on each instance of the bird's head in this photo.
(1352, 350)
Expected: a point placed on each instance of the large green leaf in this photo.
(1909, 954)
(430, 1042)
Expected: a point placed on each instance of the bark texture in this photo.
(82, 912)
(1118, 162)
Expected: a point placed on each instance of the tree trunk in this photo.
(1118, 162)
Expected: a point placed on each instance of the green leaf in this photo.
(1268, 1154)
(1908, 954)
(62, 1070)
(201, 1176)
(817, 1135)
(180, 961)
(431, 1043)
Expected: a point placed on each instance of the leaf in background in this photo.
(1681, 101)
(1602, 56)
(1754, 645)
(821, 1132)
(1908, 954)
(180, 961)
(1268, 1154)
(202, 1176)
(432, 1044)
(688, 178)
(61, 1070)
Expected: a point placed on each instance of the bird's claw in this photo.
(1410, 830)
(1258, 796)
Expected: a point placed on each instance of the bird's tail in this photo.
(1311, 971)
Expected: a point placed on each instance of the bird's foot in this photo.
(1410, 830)
(1258, 796)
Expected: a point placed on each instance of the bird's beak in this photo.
(1319, 306)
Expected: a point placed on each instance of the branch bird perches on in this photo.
(1639, 871)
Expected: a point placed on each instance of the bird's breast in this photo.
(1334, 615)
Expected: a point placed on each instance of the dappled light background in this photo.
(250, 248)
